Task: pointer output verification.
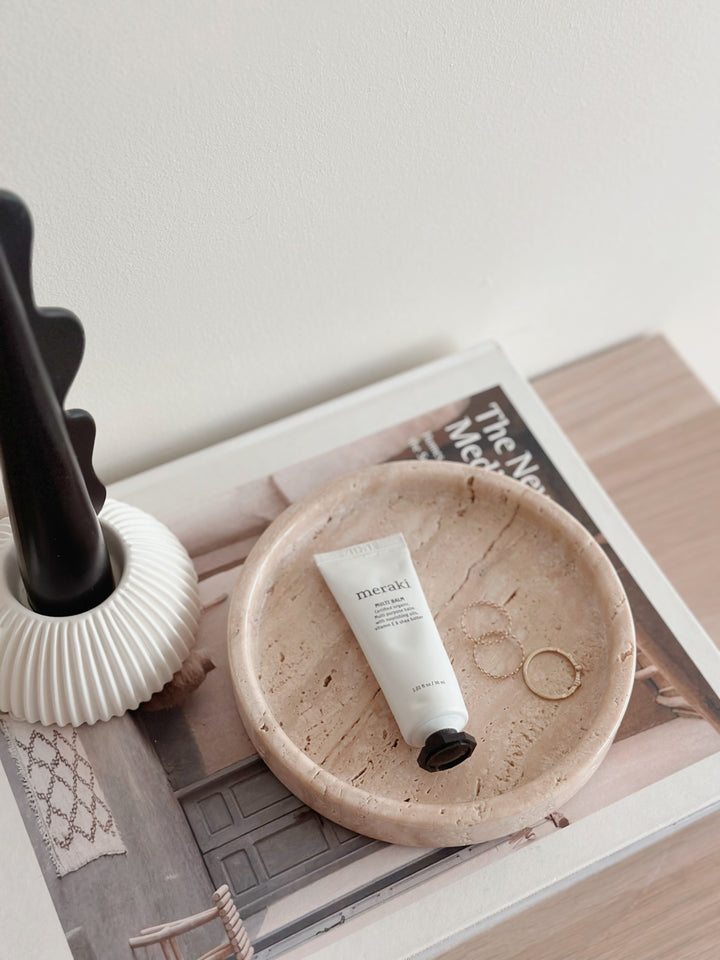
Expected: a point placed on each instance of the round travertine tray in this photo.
(313, 708)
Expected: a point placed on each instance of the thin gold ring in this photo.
(493, 643)
(561, 653)
(499, 632)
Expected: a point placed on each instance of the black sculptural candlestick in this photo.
(75, 645)
(61, 552)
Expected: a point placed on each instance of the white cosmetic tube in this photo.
(377, 588)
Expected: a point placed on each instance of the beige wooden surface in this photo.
(651, 434)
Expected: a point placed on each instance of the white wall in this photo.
(256, 205)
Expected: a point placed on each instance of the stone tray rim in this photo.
(428, 823)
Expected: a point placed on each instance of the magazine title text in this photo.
(481, 441)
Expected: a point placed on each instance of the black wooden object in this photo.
(52, 492)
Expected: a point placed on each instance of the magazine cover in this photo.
(141, 819)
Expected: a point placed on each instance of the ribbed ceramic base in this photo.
(98, 664)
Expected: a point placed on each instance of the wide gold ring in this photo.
(561, 653)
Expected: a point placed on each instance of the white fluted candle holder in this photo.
(96, 665)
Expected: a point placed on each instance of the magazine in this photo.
(304, 885)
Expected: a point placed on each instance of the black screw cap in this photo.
(446, 748)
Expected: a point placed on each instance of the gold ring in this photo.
(561, 653)
(493, 643)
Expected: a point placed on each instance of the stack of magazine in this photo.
(662, 770)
